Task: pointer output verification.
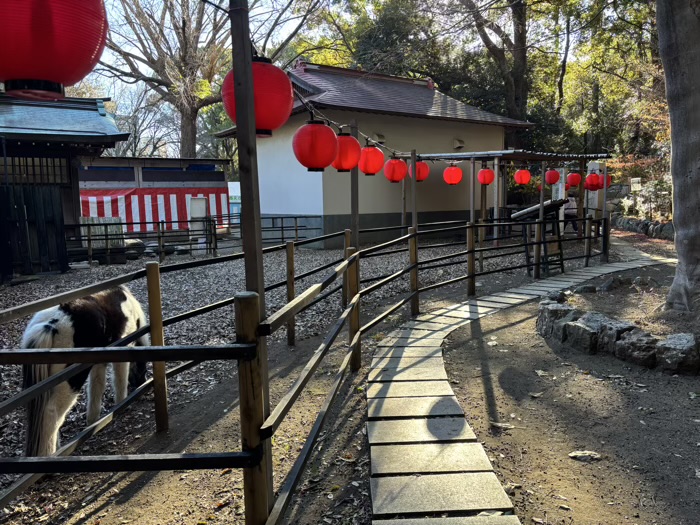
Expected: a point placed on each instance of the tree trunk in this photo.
(678, 23)
(188, 133)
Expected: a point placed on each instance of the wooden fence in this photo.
(250, 350)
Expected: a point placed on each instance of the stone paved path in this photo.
(426, 465)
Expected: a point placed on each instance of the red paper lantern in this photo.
(522, 177)
(604, 181)
(395, 170)
(452, 175)
(574, 179)
(591, 182)
(551, 177)
(566, 186)
(49, 44)
(272, 96)
(315, 145)
(539, 187)
(423, 171)
(348, 153)
(486, 176)
(371, 160)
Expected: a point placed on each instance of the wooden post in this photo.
(296, 228)
(472, 192)
(354, 287)
(587, 243)
(161, 251)
(403, 202)
(496, 197)
(413, 259)
(537, 249)
(291, 325)
(107, 251)
(155, 319)
(89, 242)
(251, 386)
(606, 240)
(355, 194)
(347, 238)
(414, 190)
(481, 227)
(471, 267)
(215, 241)
(542, 185)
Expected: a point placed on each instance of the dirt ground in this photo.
(643, 423)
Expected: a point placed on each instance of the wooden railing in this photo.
(249, 349)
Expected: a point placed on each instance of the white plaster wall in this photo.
(286, 187)
(378, 195)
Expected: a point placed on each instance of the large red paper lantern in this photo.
(395, 170)
(371, 160)
(486, 176)
(551, 177)
(272, 96)
(567, 186)
(423, 171)
(452, 175)
(574, 179)
(46, 45)
(522, 177)
(315, 145)
(348, 153)
(591, 183)
(604, 181)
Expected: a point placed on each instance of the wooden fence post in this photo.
(250, 387)
(413, 259)
(587, 237)
(537, 249)
(471, 260)
(482, 237)
(291, 324)
(606, 240)
(353, 272)
(296, 228)
(346, 244)
(161, 244)
(89, 242)
(215, 240)
(155, 316)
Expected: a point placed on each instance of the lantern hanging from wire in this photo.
(349, 150)
(522, 177)
(452, 175)
(49, 44)
(371, 160)
(423, 171)
(567, 186)
(574, 179)
(315, 145)
(604, 181)
(486, 176)
(591, 183)
(273, 97)
(395, 170)
(551, 177)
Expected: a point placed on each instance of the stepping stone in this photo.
(408, 351)
(406, 362)
(541, 285)
(447, 326)
(531, 294)
(512, 295)
(429, 458)
(406, 341)
(415, 334)
(469, 520)
(469, 492)
(407, 374)
(410, 407)
(505, 300)
(409, 389)
(422, 430)
(488, 304)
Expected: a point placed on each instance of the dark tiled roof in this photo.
(351, 89)
(72, 119)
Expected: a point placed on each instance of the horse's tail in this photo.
(38, 335)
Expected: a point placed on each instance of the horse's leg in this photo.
(96, 390)
(61, 399)
(120, 380)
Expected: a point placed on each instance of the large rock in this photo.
(135, 245)
(637, 346)
(668, 232)
(559, 328)
(678, 353)
(548, 314)
(582, 335)
(610, 333)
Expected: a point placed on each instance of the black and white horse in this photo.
(93, 321)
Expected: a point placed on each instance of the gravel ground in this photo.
(194, 288)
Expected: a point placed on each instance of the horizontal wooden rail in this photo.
(374, 322)
(444, 283)
(128, 354)
(277, 416)
(17, 312)
(443, 257)
(379, 247)
(319, 238)
(292, 479)
(324, 296)
(197, 311)
(386, 280)
(128, 463)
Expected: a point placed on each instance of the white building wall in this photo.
(286, 187)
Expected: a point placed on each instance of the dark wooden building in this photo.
(40, 143)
